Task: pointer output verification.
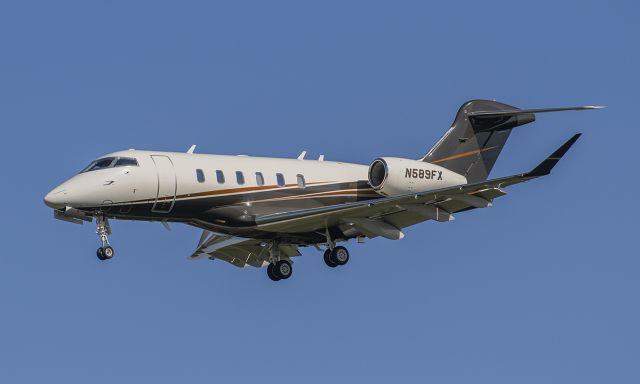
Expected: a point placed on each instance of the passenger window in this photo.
(259, 178)
(301, 183)
(280, 179)
(200, 175)
(220, 176)
(239, 177)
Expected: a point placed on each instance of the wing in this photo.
(387, 216)
(238, 251)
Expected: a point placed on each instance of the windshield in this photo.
(110, 162)
(124, 161)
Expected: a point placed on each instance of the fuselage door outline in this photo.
(167, 184)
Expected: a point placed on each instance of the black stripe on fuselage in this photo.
(238, 209)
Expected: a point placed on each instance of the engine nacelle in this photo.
(395, 176)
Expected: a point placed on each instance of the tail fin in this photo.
(479, 132)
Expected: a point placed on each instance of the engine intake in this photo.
(377, 173)
(391, 176)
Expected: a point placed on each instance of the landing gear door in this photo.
(167, 184)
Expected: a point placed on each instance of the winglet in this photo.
(547, 164)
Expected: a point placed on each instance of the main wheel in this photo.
(283, 269)
(328, 259)
(100, 253)
(271, 272)
(340, 255)
(107, 252)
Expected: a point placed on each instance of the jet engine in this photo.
(391, 176)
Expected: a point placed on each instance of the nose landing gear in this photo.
(105, 252)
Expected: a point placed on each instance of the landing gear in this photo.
(280, 270)
(105, 252)
(328, 259)
(272, 275)
(338, 256)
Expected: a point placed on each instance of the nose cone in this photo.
(56, 199)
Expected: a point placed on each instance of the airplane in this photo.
(259, 211)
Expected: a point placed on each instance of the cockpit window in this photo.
(99, 164)
(126, 161)
(110, 162)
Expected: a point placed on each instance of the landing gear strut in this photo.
(280, 270)
(105, 252)
(337, 256)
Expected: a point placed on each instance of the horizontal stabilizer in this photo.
(545, 167)
(478, 134)
(514, 112)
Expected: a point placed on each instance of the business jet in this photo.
(259, 211)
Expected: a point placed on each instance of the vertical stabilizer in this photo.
(473, 143)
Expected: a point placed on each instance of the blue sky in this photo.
(542, 287)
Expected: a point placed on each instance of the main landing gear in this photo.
(280, 270)
(337, 256)
(105, 252)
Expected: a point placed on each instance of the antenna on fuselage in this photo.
(192, 148)
(321, 158)
(302, 155)
(166, 225)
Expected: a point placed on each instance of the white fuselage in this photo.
(257, 211)
(214, 191)
(167, 177)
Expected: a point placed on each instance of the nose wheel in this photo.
(337, 256)
(105, 252)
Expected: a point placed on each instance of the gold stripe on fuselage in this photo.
(463, 154)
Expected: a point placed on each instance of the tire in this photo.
(100, 254)
(107, 252)
(340, 255)
(272, 273)
(328, 259)
(283, 269)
